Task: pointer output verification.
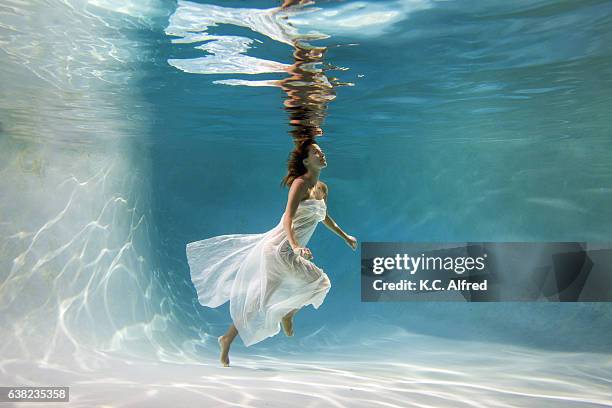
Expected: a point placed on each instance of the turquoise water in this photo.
(442, 120)
(465, 122)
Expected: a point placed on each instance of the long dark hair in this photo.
(295, 165)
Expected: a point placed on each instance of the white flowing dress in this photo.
(259, 274)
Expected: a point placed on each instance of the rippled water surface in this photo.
(128, 129)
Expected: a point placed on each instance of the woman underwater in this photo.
(268, 277)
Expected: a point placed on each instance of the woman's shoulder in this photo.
(298, 180)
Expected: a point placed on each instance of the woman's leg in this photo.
(287, 322)
(225, 342)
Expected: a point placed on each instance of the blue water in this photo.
(466, 122)
(446, 121)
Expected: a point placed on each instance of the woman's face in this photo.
(316, 157)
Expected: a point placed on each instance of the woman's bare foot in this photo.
(224, 344)
(288, 324)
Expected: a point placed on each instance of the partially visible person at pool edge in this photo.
(268, 277)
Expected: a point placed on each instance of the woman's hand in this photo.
(303, 252)
(351, 241)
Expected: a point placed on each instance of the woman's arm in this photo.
(296, 192)
(288, 3)
(332, 226)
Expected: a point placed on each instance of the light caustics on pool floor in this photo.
(401, 370)
(83, 301)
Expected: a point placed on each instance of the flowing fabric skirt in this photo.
(259, 275)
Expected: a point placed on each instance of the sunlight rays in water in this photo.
(76, 266)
